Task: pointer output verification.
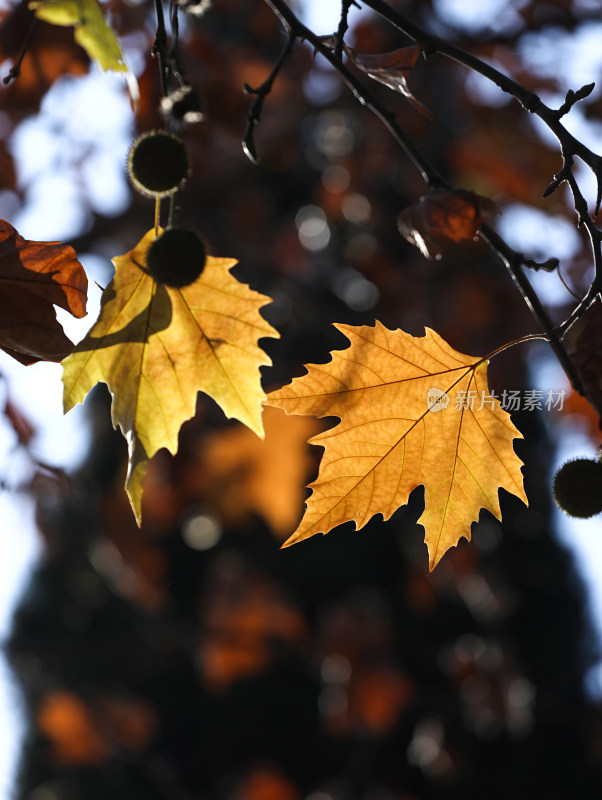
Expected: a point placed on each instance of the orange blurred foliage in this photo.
(266, 783)
(69, 725)
(377, 696)
(87, 734)
(243, 615)
(242, 474)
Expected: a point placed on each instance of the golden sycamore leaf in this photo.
(92, 32)
(402, 424)
(156, 347)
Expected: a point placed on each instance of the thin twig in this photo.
(565, 284)
(579, 309)
(585, 220)
(173, 55)
(261, 93)
(513, 261)
(175, 32)
(159, 48)
(343, 26)
(15, 70)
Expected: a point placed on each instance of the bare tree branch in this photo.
(512, 259)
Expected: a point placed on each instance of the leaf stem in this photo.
(529, 337)
(513, 261)
(157, 215)
(565, 284)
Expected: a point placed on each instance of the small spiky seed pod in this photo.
(176, 258)
(578, 487)
(157, 163)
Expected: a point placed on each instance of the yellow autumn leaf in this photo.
(156, 347)
(91, 31)
(402, 423)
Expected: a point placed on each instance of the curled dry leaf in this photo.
(156, 347)
(392, 69)
(399, 399)
(34, 277)
(443, 216)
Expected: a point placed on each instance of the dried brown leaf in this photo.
(391, 69)
(34, 277)
(441, 217)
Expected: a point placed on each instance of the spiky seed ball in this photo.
(577, 487)
(176, 258)
(158, 163)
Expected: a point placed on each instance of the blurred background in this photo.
(192, 658)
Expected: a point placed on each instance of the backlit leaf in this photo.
(156, 347)
(92, 32)
(441, 217)
(402, 424)
(34, 277)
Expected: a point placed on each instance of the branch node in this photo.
(564, 175)
(547, 266)
(553, 186)
(342, 29)
(574, 97)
